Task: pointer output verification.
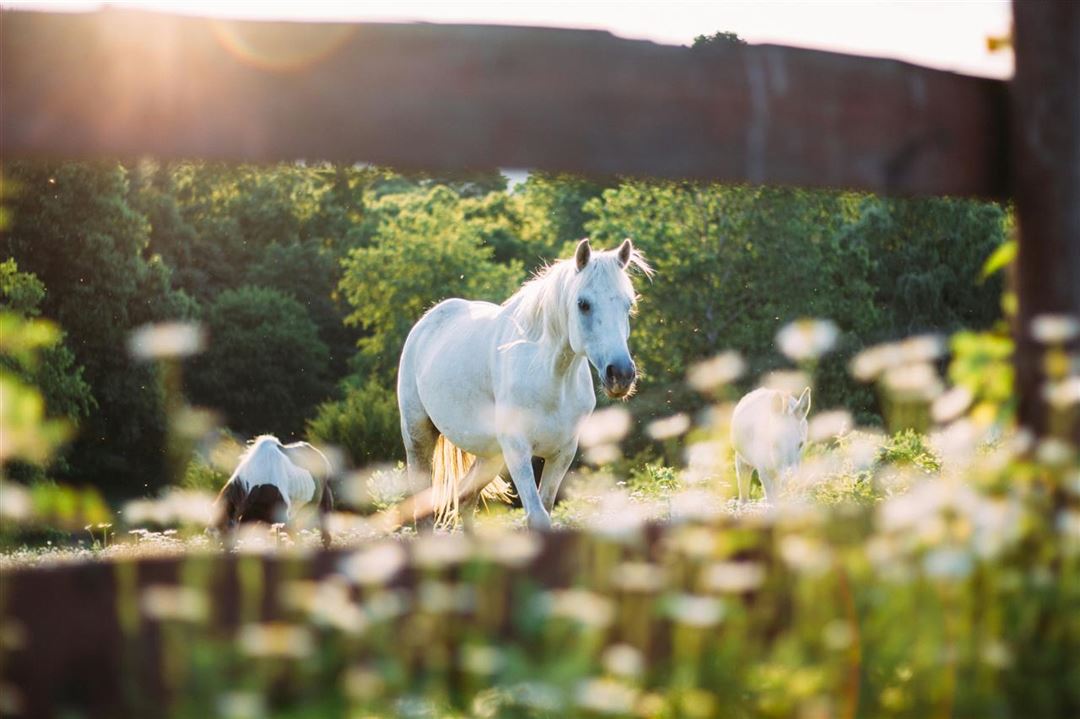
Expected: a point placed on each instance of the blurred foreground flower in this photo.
(869, 364)
(607, 696)
(723, 369)
(624, 660)
(166, 340)
(791, 381)
(374, 565)
(508, 548)
(951, 404)
(241, 705)
(826, 425)
(807, 339)
(166, 602)
(15, 503)
(669, 427)
(276, 639)
(1064, 394)
(733, 577)
(1055, 329)
(696, 610)
(580, 605)
(913, 382)
(437, 551)
(605, 426)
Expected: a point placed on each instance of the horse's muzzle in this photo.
(618, 379)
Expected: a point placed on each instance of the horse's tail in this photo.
(449, 465)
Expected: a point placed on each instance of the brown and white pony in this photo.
(272, 482)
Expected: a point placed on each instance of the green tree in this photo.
(928, 254)
(733, 266)
(74, 228)
(365, 424)
(425, 250)
(265, 366)
(553, 215)
(717, 39)
(55, 371)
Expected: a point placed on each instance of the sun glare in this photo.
(946, 34)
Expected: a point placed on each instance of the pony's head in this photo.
(792, 440)
(601, 300)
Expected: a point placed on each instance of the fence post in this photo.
(1046, 154)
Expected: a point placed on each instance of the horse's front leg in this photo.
(555, 468)
(518, 455)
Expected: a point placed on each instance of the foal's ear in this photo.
(802, 407)
(626, 251)
(583, 253)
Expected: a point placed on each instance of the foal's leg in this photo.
(518, 455)
(743, 474)
(769, 485)
(326, 505)
(554, 472)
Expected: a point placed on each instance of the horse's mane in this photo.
(540, 307)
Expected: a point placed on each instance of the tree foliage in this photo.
(73, 227)
(54, 370)
(365, 424)
(265, 366)
(734, 265)
(309, 277)
(426, 250)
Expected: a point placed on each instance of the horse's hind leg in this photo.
(419, 435)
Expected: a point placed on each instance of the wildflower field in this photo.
(928, 572)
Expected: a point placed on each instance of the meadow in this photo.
(921, 561)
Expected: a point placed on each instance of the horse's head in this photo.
(599, 313)
(792, 440)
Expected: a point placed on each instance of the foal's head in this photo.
(599, 313)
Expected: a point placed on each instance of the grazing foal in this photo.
(768, 431)
(272, 481)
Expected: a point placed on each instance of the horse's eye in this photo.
(584, 305)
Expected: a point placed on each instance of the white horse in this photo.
(506, 383)
(271, 482)
(768, 432)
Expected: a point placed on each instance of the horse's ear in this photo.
(802, 407)
(626, 251)
(583, 253)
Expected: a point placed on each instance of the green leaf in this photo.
(999, 258)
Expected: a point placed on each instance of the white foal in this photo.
(768, 432)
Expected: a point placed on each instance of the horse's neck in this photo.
(564, 362)
(554, 356)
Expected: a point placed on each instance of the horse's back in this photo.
(267, 463)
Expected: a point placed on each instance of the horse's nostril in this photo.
(609, 373)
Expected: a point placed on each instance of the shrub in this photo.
(364, 424)
(265, 366)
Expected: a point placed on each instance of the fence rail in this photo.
(128, 83)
